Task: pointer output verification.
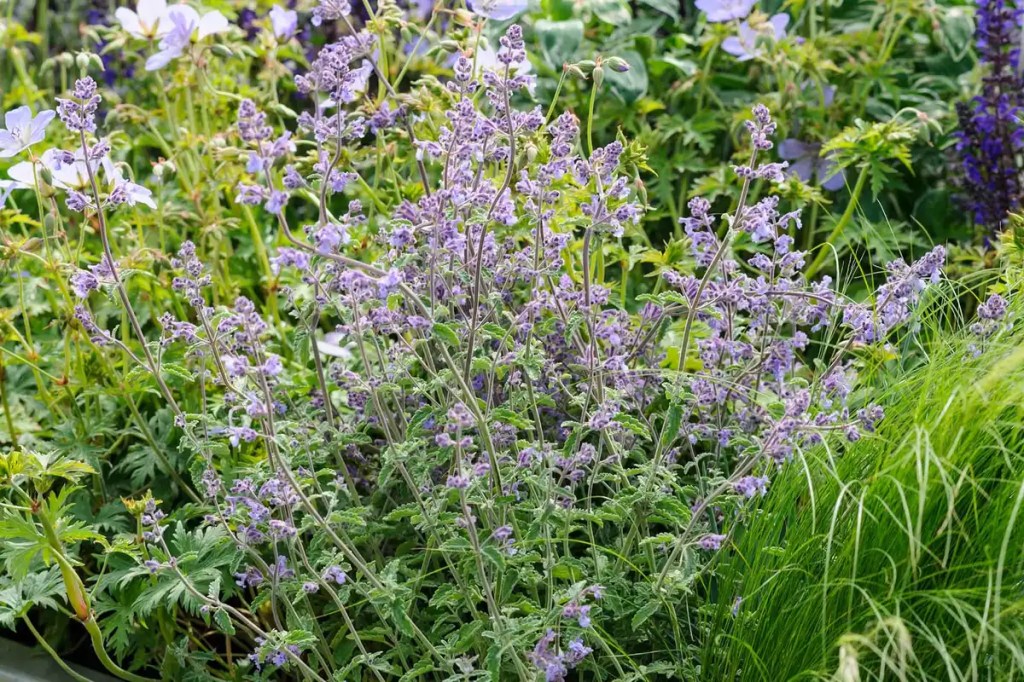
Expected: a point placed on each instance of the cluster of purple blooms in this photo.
(266, 654)
(488, 360)
(991, 135)
(992, 317)
(555, 662)
(458, 258)
(577, 609)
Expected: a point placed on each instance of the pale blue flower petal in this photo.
(725, 10)
(498, 10)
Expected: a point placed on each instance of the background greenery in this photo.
(901, 552)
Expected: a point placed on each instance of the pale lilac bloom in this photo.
(132, 193)
(331, 345)
(725, 10)
(284, 22)
(807, 163)
(826, 96)
(498, 10)
(711, 542)
(185, 22)
(6, 187)
(66, 176)
(150, 19)
(487, 59)
(23, 130)
(424, 7)
(745, 45)
(73, 177)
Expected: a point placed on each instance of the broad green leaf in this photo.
(445, 334)
(559, 41)
(644, 613)
(630, 85)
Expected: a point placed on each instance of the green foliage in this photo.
(895, 557)
(897, 553)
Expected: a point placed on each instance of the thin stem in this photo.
(96, 636)
(53, 654)
(844, 220)
(590, 118)
(6, 405)
(691, 314)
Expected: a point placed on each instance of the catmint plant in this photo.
(470, 449)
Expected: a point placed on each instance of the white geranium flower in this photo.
(186, 26)
(284, 22)
(6, 187)
(133, 193)
(498, 10)
(23, 130)
(330, 345)
(74, 177)
(149, 20)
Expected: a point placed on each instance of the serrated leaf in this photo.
(633, 424)
(644, 613)
(445, 334)
(400, 616)
(503, 414)
(494, 556)
(223, 621)
(673, 422)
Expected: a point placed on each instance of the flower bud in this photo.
(598, 75)
(46, 189)
(134, 507)
(531, 152)
(77, 596)
(586, 66)
(451, 46)
(617, 64)
(464, 17)
(641, 190)
(82, 62)
(279, 108)
(222, 51)
(573, 70)
(162, 168)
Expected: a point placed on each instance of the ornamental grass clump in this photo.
(500, 463)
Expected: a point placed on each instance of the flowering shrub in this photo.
(503, 459)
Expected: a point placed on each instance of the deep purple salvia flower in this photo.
(991, 135)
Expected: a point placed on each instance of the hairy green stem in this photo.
(53, 654)
(844, 221)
